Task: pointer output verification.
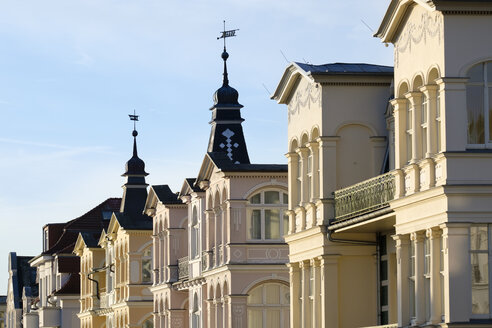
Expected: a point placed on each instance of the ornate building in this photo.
(226, 243)
(389, 205)
(116, 265)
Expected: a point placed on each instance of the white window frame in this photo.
(282, 206)
(409, 129)
(489, 259)
(424, 125)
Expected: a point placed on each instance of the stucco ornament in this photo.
(305, 98)
(414, 32)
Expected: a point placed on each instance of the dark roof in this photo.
(3, 299)
(91, 239)
(71, 287)
(31, 291)
(134, 221)
(95, 220)
(23, 275)
(165, 195)
(347, 69)
(191, 183)
(223, 163)
(68, 264)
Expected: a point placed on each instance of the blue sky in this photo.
(72, 71)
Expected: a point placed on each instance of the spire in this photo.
(227, 135)
(135, 188)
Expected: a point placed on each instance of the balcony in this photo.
(183, 268)
(364, 197)
(49, 316)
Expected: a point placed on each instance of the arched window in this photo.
(147, 265)
(266, 215)
(268, 306)
(479, 104)
(149, 323)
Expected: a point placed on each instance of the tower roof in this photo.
(135, 165)
(226, 96)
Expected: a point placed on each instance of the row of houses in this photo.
(380, 219)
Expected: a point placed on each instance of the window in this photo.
(479, 256)
(438, 120)
(427, 278)
(266, 219)
(299, 180)
(423, 124)
(479, 104)
(441, 274)
(409, 130)
(268, 306)
(309, 176)
(147, 265)
(195, 234)
(411, 281)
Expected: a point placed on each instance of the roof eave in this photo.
(284, 88)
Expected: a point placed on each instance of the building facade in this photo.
(404, 239)
(220, 254)
(116, 264)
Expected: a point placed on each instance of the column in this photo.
(434, 234)
(402, 270)
(211, 313)
(225, 314)
(220, 313)
(238, 311)
(292, 162)
(454, 135)
(430, 91)
(418, 239)
(457, 280)
(329, 291)
(225, 228)
(305, 307)
(325, 206)
(399, 112)
(295, 295)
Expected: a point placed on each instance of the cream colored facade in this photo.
(409, 247)
(216, 267)
(121, 265)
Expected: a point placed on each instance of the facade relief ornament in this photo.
(429, 27)
(305, 98)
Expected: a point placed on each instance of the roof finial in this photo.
(134, 118)
(226, 34)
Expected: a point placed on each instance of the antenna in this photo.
(370, 29)
(264, 86)
(284, 57)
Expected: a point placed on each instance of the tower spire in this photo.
(224, 35)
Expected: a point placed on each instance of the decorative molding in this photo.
(362, 84)
(414, 33)
(304, 98)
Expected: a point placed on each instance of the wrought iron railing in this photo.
(364, 197)
(183, 268)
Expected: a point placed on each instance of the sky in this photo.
(72, 71)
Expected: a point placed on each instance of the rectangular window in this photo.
(438, 121)
(474, 103)
(255, 225)
(427, 278)
(272, 224)
(479, 256)
(409, 130)
(423, 125)
(411, 280)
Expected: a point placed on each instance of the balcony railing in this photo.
(183, 268)
(364, 197)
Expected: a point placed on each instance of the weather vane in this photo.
(227, 34)
(134, 118)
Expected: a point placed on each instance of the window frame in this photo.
(489, 274)
(487, 107)
(281, 207)
(146, 258)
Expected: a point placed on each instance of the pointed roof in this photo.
(22, 275)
